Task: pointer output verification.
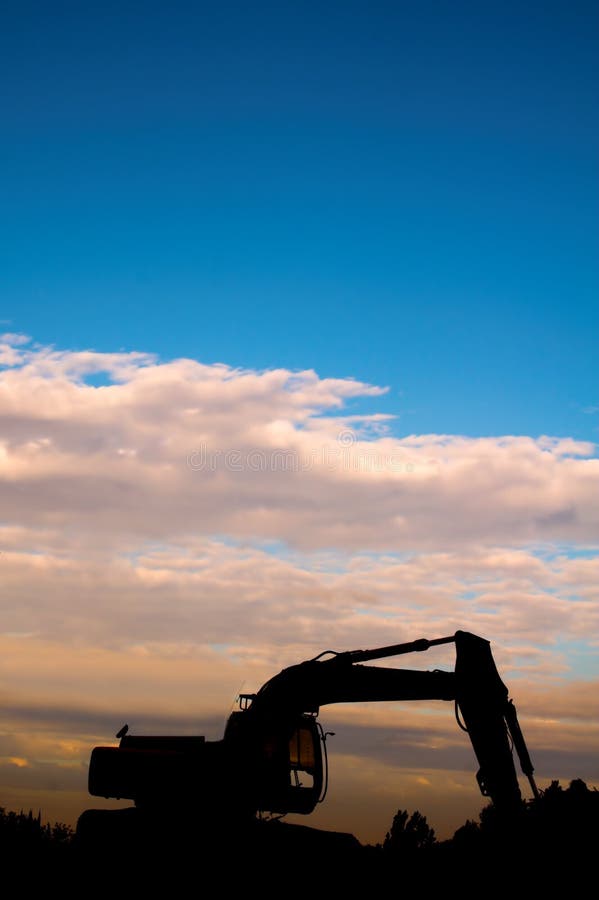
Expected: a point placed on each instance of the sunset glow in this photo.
(298, 335)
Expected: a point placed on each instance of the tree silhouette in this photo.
(24, 832)
(557, 834)
(408, 834)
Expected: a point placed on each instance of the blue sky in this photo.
(401, 192)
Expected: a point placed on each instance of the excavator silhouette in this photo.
(272, 757)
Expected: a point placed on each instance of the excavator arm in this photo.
(475, 686)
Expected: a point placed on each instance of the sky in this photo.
(299, 321)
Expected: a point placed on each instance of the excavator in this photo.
(272, 757)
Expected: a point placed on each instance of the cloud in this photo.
(209, 592)
(171, 531)
(169, 449)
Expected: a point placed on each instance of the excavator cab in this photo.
(285, 762)
(305, 769)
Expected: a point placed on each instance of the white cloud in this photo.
(170, 449)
